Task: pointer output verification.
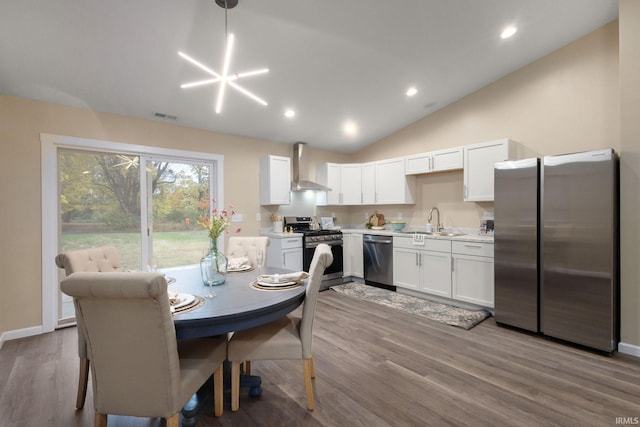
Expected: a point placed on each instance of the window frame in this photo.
(50, 191)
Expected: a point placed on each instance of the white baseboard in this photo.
(630, 349)
(20, 333)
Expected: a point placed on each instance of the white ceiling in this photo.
(330, 60)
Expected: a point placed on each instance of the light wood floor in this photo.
(375, 367)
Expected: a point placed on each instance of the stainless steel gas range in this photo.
(312, 236)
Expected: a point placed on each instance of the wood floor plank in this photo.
(375, 366)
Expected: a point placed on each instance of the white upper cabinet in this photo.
(393, 187)
(369, 183)
(275, 180)
(479, 161)
(345, 181)
(329, 175)
(376, 183)
(434, 161)
(352, 184)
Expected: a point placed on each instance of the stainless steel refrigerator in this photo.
(577, 252)
(516, 243)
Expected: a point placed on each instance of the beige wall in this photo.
(567, 101)
(630, 169)
(22, 121)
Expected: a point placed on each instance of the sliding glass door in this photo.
(146, 206)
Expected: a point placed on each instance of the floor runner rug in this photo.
(442, 313)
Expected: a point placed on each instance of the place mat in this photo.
(255, 285)
(198, 301)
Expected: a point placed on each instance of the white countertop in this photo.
(483, 238)
(273, 235)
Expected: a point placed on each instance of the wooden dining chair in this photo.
(138, 367)
(104, 259)
(248, 247)
(285, 338)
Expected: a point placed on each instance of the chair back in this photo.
(322, 258)
(104, 259)
(247, 247)
(131, 341)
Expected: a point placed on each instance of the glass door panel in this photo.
(179, 195)
(99, 205)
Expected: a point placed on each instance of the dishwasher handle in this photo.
(371, 238)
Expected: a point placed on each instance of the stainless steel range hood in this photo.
(301, 180)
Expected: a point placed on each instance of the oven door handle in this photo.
(328, 242)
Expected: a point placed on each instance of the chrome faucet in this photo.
(438, 225)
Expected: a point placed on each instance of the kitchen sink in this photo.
(435, 233)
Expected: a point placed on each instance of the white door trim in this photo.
(50, 191)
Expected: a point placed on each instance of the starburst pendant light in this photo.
(225, 78)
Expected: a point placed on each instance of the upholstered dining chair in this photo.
(248, 247)
(104, 259)
(285, 338)
(138, 366)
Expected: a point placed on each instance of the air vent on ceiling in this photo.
(165, 116)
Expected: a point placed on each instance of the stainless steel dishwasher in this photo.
(378, 260)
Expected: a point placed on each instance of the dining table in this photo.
(235, 305)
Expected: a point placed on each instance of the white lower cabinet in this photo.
(352, 257)
(473, 273)
(285, 252)
(406, 267)
(459, 270)
(422, 268)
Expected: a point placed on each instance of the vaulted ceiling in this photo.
(330, 61)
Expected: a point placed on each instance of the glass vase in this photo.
(213, 266)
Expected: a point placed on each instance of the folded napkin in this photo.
(288, 277)
(235, 263)
(174, 297)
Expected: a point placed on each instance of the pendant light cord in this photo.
(226, 31)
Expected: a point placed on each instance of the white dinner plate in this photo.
(183, 300)
(276, 285)
(241, 268)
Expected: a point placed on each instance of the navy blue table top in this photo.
(236, 305)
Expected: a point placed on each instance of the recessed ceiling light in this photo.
(508, 32)
(289, 113)
(412, 91)
(350, 128)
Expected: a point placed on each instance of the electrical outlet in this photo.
(258, 217)
(399, 215)
(366, 215)
(236, 217)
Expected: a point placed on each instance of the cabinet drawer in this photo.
(472, 248)
(430, 244)
(291, 243)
